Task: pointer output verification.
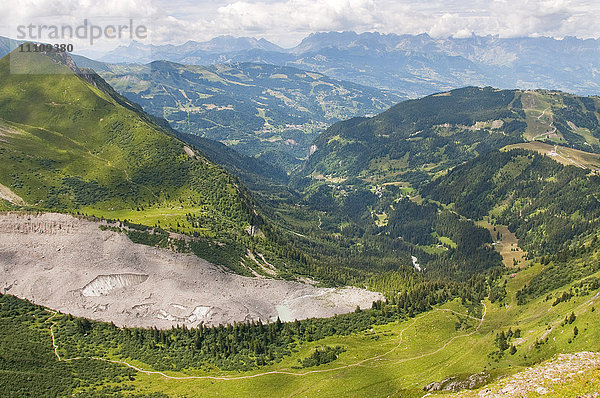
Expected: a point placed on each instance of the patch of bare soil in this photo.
(7, 194)
(72, 266)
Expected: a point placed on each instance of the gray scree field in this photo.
(71, 265)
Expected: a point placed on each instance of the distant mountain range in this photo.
(412, 65)
(137, 52)
(409, 65)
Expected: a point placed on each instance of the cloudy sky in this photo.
(286, 22)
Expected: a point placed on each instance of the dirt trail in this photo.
(283, 372)
(556, 153)
(449, 341)
(535, 379)
(553, 128)
(543, 113)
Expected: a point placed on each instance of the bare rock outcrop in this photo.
(540, 379)
(455, 383)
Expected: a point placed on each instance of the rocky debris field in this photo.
(457, 384)
(71, 265)
(541, 379)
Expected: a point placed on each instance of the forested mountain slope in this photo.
(547, 204)
(416, 139)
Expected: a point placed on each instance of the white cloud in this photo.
(288, 21)
(301, 15)
(526, 18)
(45, 20)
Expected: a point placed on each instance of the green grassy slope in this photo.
(256, 174)
(68, 143)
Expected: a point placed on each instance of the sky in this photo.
(286, 22)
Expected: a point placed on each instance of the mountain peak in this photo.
(319, 40)
(42, 62)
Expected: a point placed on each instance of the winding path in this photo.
(451, 340)
(282, 372)
(552, 130)
(543, 113)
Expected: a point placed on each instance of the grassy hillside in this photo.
(256, 174)
(69, 143)
(416, 139)
(564, 155)
(260, 110)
